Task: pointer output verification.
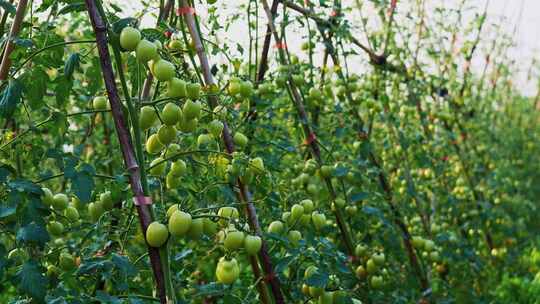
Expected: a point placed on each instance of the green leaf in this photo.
(318, 279)
(153, 34)
(10, 98)
(124, 265)
(35, 86)
(31, 280)
(73, 7)
(72, 63)
(105, 298)
(33, 233)
(360, 196)
(82, 181)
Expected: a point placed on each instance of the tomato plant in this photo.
(322, 157)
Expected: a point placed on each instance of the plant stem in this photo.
(15, 28)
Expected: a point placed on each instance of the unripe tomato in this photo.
(158, 44)
(66, 261)
(319, 220)
(179, 223)
(377, 282)
(196, 229)
(175, 45)
(209, 226)
(315, 292)
(55, 228)
(176, 88)
(371, 266)
(276, 227)
(429, 245)
(71, 213)
(146, 51)
(234, 87)
(379, 258)
(158, 167)
(227, 271)
(360, 250)
(188, 126)
(178, 168)
(129, 38)
(60, 201)
(351, 210)
(172, 209)
(246, 89)
(47, 198)
(286, 217)
(297, 211)
(315, 93)
(227, 214)
(193, 91)
(308, 206)
(257, 164)
(215, 127)
(204, 140)
(95, 210)
(298, 79)
(172, 181)
(191, 110)
(172, 150)
(156, 234)
(153, 145)
(171, 114)
(326, 171)
(234, 239)
(240, 140)
(100, 103)
(163, 70)
(418, 242)
(294, 237)
(252, 244)
(52, 271)
(305, 220)
(147, 117)
(326, 298)
(166, 134)
(106, 200)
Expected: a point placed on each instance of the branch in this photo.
(15, 28)
(124, 138)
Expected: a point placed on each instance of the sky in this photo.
(521, 17)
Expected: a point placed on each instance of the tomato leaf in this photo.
(10, 98)
(32, 281)
(72, 63)
(33, 233)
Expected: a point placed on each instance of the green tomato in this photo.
(163, 70)
(308, 206)
(234, 239)
(371, 267)
(234, 87)
(153, 145)
(326, 298)
(166, 134)
(257, 164)
(191, 109)
(176, 88)
(379, 258)
(246, 89)
(72, 213)
(172, 150)
(55, 228)
(179, 223)
(146, 51)
(172, 181)
(147, 117)
(178, 168)
(240, 140)
(175, 45)
(227, 271)
(156, 234)
(209, 226)
(66, 261)
(319, 220)
(215, 127)
(227, 214)
(196, 230)
(156, 169)
(297, 211)
(47, 198)
(204, 140)
(129, 38)
(171, 114)
(18, 255)
(193, 90)
(377, 282)
(60, 201)
(106, 200)
(360, 250)
(188, 126)
(100, 103)
(276, 227)
(95, 210)
(326, 171)
(252, 244)
(294, 237)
